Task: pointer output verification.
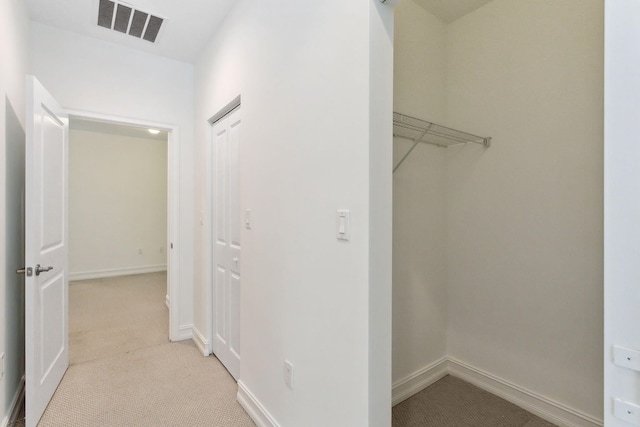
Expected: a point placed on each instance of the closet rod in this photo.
(418, 130)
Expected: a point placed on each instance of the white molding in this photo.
(254, 408)
(419, 380)
(185, 332)
(114, 272)
(201, 342)
(14, 408)
(539, 405)
(173, 234)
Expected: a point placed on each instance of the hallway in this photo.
(123, 370)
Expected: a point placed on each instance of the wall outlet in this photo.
(288, 374)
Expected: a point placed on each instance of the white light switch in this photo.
(626, 357)
(626, 411)
(342, 225)
(247, 219)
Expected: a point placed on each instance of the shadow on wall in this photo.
(14, 290)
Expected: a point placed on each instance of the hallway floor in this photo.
(123, 370)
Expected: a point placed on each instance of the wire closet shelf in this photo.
(418, 130)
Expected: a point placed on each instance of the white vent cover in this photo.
(124, 18)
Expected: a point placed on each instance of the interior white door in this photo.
(46, 295)
(226, 240)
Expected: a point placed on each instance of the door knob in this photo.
(25, 270)
(42, 269)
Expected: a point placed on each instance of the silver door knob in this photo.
(42, 269)
(25, 270)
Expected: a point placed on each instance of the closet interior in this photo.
(498, 200)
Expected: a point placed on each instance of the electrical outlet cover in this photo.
(288, 374)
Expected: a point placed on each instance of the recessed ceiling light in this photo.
(154, 131)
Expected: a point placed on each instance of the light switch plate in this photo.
(626, 357)
(626, 411)
(342, 224)
(247, 219)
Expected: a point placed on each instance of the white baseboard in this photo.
(201, 342)
(113, 272)
(418, 381)
(256, 411)
(14, 408)
(185, 332)
(539, 405)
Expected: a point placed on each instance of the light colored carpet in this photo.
(125, 372)
(114, 315)
(452, 402)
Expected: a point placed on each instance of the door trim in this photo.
(208, 218)
(173, 207)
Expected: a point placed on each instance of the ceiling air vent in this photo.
(124, 18)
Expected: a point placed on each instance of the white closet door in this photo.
(226, 241)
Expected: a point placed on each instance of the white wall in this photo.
(419, 196)
(117, 204)
(622, 200)
(525, 217)
(14, 36)
(91, 75)
(303, 71)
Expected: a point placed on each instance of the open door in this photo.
(46, 242)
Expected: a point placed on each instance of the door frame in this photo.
(173, 297)
(207, 346)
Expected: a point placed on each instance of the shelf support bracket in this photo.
(415, 143)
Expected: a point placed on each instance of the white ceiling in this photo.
(188, 23)
(450, 10)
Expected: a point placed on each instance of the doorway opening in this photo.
(139, 189)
